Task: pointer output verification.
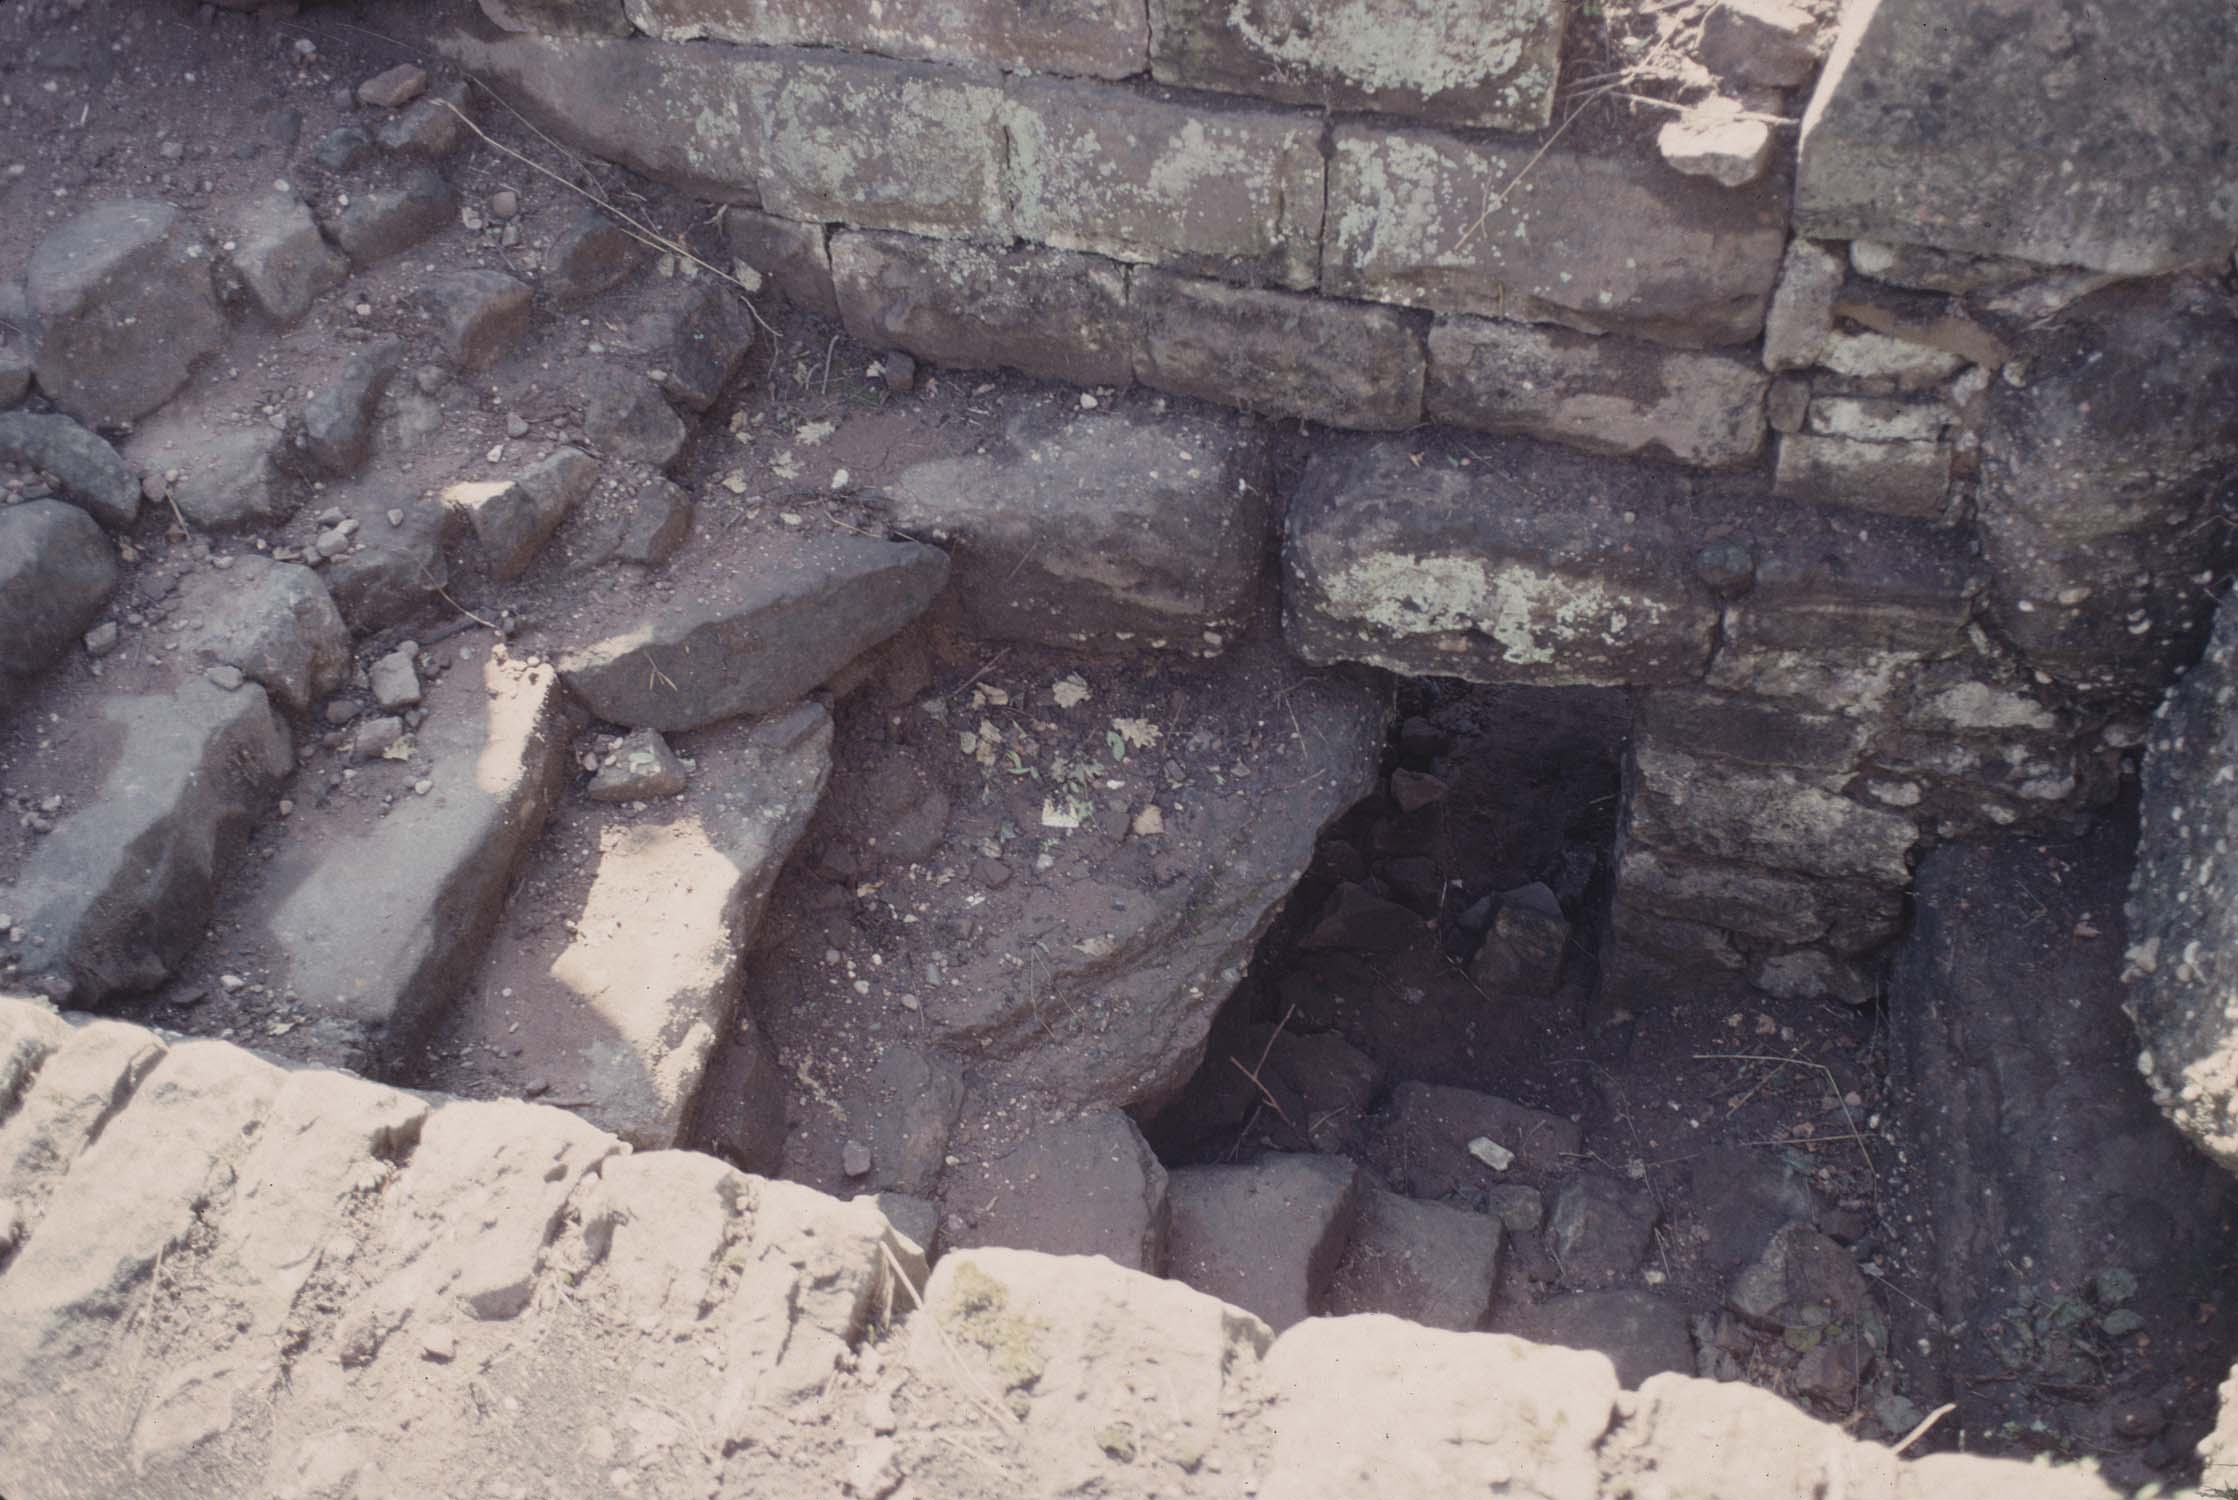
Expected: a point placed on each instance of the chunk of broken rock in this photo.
(642, 769)
(1717, 141)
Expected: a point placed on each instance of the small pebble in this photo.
(504, 203)
(227, 677)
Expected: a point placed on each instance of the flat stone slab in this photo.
(374, 922)
(1598, 242)
(1932, 127)
(1267, 1237)
(1086, 38)
(1120, 1013)
(1767, 818)
(125, 885)
(1110, 531)
(1280, 353)
(754, 635)
(1490, 63)
(881, 145)
(1053, 313)
(1522, 568)
(1602, 394)
(617, 1013)
(1233, 193)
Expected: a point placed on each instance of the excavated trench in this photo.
(1034, 801)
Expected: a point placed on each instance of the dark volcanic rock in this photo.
(57, 570)
(753, 637)
(125, 309)
(91, 473)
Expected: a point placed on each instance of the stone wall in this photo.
(1876, 444)
(219, 1276)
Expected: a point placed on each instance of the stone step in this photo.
(615, 973)
(119, 893)
(1109, 531)
(56, 572)
(379, 898)
(748, 635)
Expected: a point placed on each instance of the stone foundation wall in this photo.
(1877, 445)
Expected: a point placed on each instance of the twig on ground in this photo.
(1834, 1087)
(643, 233)
(1253, 1072)
(972, 681)
(1925, 1422)
(490, 625)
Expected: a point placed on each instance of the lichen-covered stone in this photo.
(1515, 569)
(1088, 38)
(1896, 479)
(1050, 313)
(1234, 193)
(884, 145)
(687, 116)
(1604, 394)
(1836, 610)
(1802, 311)
(1280, 353)
(1489, 63)
(1934, 125)
(1774, 819)
(1433, 221)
